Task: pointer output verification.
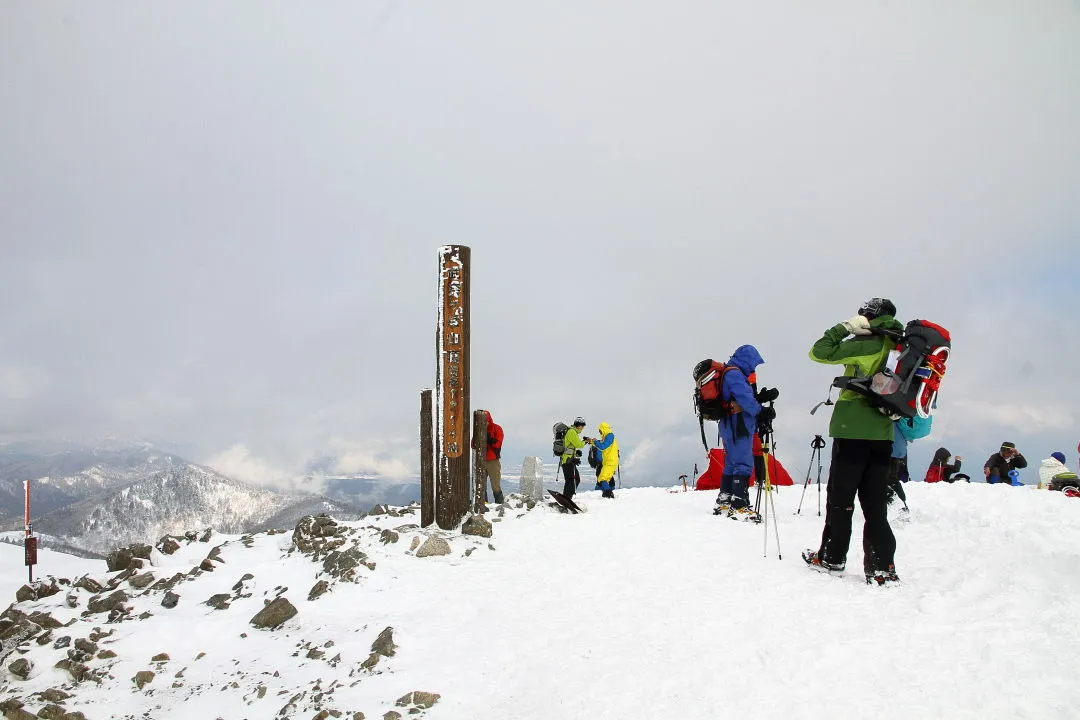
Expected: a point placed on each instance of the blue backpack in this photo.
(914, 428)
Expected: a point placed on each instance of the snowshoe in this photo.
(745, 514)
(723, 504)
(1070, 491)
(814, 562)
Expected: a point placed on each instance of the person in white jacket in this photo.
(1052, 468)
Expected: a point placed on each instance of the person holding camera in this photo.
(862, 446)
(571, 457)
(737, 430)
(1001, 463)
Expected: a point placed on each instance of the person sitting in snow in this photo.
(737, 432)
(1004, 461)
(1055, 474)
(941, 469)
(609, 460)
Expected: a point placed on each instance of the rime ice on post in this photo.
(453, 486)
(532, 478)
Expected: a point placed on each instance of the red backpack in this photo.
(709, 403)
(935, 473)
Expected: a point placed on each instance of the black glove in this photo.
(767, 395)
(577, 453)
(766, 416)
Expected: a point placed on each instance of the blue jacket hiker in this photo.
(737, 432)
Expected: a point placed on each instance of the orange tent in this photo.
(710, 479)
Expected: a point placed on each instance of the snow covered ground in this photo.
(644, 607)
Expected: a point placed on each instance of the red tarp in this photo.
(710, 479)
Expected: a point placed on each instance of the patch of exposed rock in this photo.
(274, 614)
(433, 546)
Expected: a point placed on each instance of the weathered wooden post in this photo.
(427, 460)
(453, 492)
(30, 542)
(479, 444)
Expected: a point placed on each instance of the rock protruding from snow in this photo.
(120, 558)
(476, 525)
(384, 644)
(532, 478)
(274, 614)
(433, 546)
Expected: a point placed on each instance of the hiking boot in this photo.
(723, 503)
(815, 562)
(883, 577)
(744, 513)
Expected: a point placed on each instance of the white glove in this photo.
(857, 325)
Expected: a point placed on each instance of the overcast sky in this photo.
(219, 223)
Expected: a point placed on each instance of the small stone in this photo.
(371, 662)
(476, 525)
(108, 603)
(170, 599)
(21, 668)
(141, 581)
(388, 536)
(392, 715)
(384, 644)
(274, 614)
(86, 646)
(420, 699)
(52, 712)
(414, 544)
(106, 655)
(433, 546)
(160, 657)
(143, 678)
(318, 590)
(62, 642)
(315, 654)
(219, 601)
(53, 695)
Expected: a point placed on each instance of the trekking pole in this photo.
(766, 442)
(817, 443)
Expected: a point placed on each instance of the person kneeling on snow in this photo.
(1055, 474)
(609, 460)
(737, 431)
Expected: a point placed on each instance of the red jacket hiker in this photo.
(494, 440)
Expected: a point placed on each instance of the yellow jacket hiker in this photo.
(609, 448)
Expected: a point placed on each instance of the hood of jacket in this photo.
(604, 429)
(746, 358)
(1051, 467)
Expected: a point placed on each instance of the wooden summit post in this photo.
(453, 485)
(427, 460)
(479, 444)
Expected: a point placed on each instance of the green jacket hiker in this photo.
(864, 355)
(572, 442)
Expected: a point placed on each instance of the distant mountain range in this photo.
(98, 499)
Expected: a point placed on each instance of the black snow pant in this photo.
(571, 477)
(859, 468)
